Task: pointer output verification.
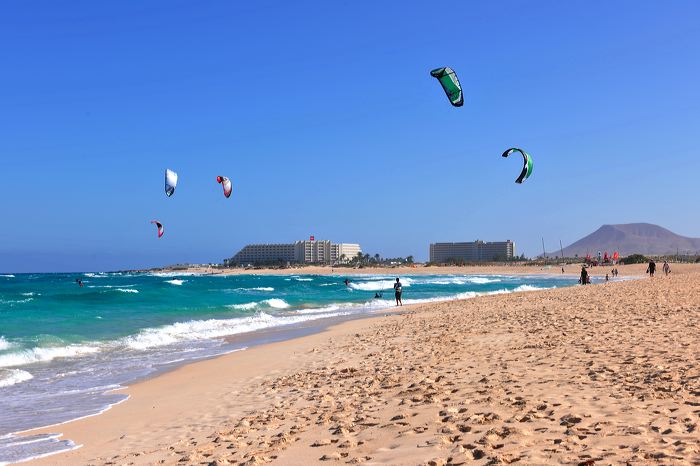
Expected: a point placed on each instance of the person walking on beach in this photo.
(397, 292)
(651, 268)
(584, 276)
(666, 268)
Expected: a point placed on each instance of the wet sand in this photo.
(601, 374)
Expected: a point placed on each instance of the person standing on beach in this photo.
(584, 276)
(651, 268)
(397, 292)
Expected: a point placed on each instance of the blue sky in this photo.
(325, 117)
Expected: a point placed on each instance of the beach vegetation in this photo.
(635, 259)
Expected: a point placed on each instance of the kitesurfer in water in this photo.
(347, 282)
(79, 282)
(397, 292)
(377, 295)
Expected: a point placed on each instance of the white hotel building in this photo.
(477, 251)
(300, 252)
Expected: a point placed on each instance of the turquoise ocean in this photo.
(63, 347)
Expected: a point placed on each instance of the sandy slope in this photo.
(602, 374)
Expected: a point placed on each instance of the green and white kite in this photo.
(527, 163)
(450, 84)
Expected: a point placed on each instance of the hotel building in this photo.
(476, 251)
(300, 252)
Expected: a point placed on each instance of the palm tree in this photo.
(409, 259)
(376, 258)
(342, 258)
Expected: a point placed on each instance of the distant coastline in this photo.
(416, 269)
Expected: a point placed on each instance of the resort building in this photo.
(263, 254)
(477, 251)
(300, 252)
(343, 252)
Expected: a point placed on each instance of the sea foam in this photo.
(34, 355)
(4, 344)
(275, 303)
(13, 376)
(212, 328)
(378, 285)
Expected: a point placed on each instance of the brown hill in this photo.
(631, 238)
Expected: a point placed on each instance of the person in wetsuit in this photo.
(397, 292)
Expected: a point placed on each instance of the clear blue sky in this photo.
(327, 120)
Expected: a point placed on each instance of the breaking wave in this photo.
(275, 303)
(4, 344)
(378, 285)
(34, 355)
(13, 376)
(212, 328)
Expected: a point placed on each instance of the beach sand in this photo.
(601, 374)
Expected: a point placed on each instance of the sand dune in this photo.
(603, 374)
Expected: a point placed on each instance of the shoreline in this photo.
(137, 388)
(76, 429)
(490, 269)
(247, 341)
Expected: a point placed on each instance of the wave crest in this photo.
(34, 355)
(212, 328)
(4, 344)
(379, 285)
(275, 303)
(10, 377)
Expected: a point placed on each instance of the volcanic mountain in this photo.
(631, 238)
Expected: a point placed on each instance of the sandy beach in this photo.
(602, 374)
